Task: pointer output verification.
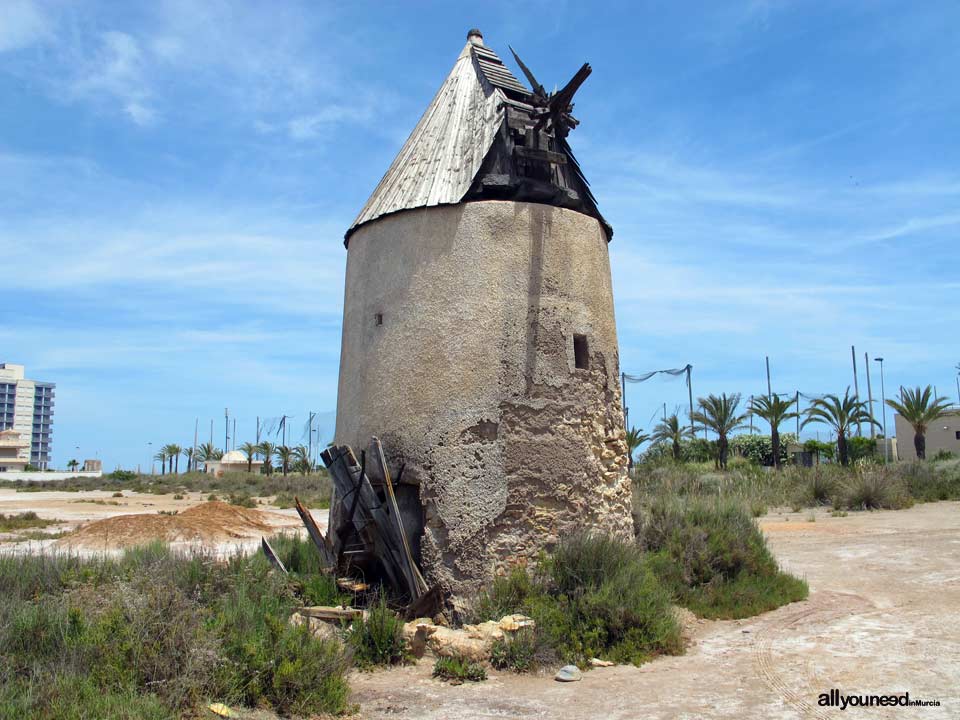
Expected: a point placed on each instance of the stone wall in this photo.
(459, 352)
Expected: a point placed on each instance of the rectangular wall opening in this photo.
(581, 352)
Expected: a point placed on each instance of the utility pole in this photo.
(664, 412)
(226, 429)
(883, 402)
(310, 436)
(798, 417)
(958, 389)
(196, 430)
(211, 432)
(769, 388)
(693, 431)
(258, 429)
(623, 399)
(234, 438)
(856, 386)
(866, 364)
(751, 415)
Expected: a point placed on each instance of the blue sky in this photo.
(176, 177)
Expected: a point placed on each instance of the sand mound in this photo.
(209, 523)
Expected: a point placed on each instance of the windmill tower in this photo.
(479, 340)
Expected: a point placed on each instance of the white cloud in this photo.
(22, 25)
(117, 71)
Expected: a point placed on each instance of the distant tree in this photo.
(173, 456)
(267, 449)
(73, 465)
(841, 414)
(635, 438)
(920, 409)
(303, 462)
(284, 455)
(775, 411)
(208, 453)
(719, 413)
(670, 430)
(161, 456)
(250, 450)
(188, 453)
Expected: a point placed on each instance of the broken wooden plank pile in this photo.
(366, 536)
(365, 526)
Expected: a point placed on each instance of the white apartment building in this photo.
(27, 407)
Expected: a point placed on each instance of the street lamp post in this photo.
(153, 467)
(883, 403)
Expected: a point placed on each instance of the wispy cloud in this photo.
(23, 24)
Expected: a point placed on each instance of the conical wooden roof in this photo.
(465, 147)
(444, 152)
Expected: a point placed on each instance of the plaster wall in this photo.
(458, 352)
(941, 435)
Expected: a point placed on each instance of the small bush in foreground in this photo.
(378, 638)
(154, 634)
(458, 668)
(517, 653)
(593, 597)
(713, 557)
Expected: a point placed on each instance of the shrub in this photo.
(458, 669)
(378, 638)
(517, 652)
(153, 633)
(875, 489)
(24, 520)
(242, 500)
(593, 597)
(943, 455)
(714, 558)
(122, 476)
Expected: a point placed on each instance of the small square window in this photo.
(378, 318)
(581, 352)
(957, 434)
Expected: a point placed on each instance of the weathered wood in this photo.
(272, 556)
(326, 612)
(547, 156)
(414, 578)
(372, 522)
(321, 542)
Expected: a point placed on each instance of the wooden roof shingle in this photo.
(439, 160)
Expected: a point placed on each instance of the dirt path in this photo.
(881, 618)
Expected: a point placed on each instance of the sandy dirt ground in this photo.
(882, 617)
(79, 509)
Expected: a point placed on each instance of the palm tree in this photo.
(173, 456)
(841, 415)
(73, 465)
(207, 453)
(919, 408)
(670, 430)
(303, 463)
(720, 415)
(162, 457)
(187, 452)
(635, 438)
(249, 449)
(267, 448)
(284, 455)
(775, 411)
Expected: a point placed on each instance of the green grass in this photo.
(378, 638)
(713, 557)
(517, 652)
(155, 634)
(23, 521)
(458, 669)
